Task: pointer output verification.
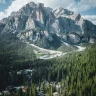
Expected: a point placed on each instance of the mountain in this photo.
(47, 27)
(31, 33)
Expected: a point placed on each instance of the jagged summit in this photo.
(59, 11)
(29, 8)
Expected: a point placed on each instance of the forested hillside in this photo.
(13, 51)
(76, 73)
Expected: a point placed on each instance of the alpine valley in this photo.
(57, 45)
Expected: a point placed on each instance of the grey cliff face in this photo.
(35, 23)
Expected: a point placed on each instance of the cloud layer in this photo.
(91, 18)
(83, 5)
(77, 7)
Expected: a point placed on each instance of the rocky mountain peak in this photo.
(30, 8)
(59, 11)
(32, 21)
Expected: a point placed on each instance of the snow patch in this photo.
(46, 50)
(49, 54)
(80, 48)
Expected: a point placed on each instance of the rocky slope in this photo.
(46, 27)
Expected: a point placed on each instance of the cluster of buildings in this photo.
(11, 89)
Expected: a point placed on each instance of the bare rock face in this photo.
(92, 40)
(74, 38)
(30, 23)
(61, 12)
(35, 23)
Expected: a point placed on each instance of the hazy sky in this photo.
(87, 8)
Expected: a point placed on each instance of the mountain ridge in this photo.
(46, 27)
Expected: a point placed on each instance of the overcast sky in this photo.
(87, 8)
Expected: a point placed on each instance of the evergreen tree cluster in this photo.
(76, 73)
